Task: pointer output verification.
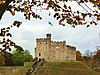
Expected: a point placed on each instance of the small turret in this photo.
(48, 36)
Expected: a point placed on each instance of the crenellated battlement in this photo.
(48, 37)
(74, 48)
(68, 46)
(71, 47)
(41, 39)
(58, 43)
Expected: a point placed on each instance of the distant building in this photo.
(54, 51)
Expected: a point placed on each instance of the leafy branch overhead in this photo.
(6, 43)
(62, 12)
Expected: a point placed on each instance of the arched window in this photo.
(39, 54)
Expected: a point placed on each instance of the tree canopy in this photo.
(96, 58)
(62, 12)
(2, 59)
(20, 56)
(79, 57)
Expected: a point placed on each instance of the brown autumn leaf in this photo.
(47, 8)
(96, 2)
(1, 1)
(84, 23)
(70, 21)
(78, 12)
(26, 11)
(13, 6)
(94, 22)
(80, 23)
(9, 34)
(73, 26)
(60, 22)
(69, 7)
(13, 13)
(98, 18)
(86, 0)
(88, 26)
(8, 28)
(65, 6)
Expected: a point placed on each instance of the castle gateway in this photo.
(54, 51)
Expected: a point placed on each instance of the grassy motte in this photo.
(66, 68)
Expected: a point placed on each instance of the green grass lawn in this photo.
(15, 70)
(5, 70)
(66, 68)
(24, 69)
(53, 68)
(98, 70)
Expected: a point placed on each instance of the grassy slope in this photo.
(24, 69)
(18, 70)
(7, 70)
(66, 68)
(98, 67)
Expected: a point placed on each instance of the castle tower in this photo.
(48, 36)
(43, 47)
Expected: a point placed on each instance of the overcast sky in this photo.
(81, 37)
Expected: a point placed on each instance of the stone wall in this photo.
(58, 53)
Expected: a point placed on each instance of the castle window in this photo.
(71, 52)
(39, 54)
(46, 43)
(57, 47)
(40, 43)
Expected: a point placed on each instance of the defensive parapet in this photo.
(41, 39)
(71, 47)
(58, 43)
(48, 37)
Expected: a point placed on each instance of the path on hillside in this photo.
(37, 64)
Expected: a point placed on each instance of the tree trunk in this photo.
(4, 7)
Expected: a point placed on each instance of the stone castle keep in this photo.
(54, 51)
